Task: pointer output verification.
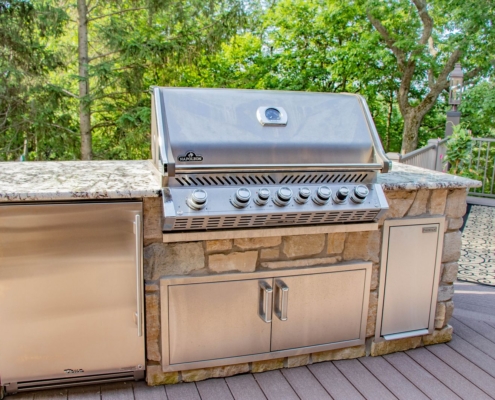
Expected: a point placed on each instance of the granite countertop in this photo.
(74, 180)
(408, 177)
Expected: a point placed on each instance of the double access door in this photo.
(227, 319)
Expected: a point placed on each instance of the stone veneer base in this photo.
(293, 249)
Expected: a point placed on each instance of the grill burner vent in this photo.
(265, 179)
(250, 221)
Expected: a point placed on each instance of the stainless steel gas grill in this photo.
(250, 158)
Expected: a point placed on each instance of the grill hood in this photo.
(223, 130)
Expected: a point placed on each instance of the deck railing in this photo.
(482, 163)
(429, 157)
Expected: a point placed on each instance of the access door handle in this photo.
(139, 274)
(281, 299)
(265, 302)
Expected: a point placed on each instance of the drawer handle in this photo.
(265, 303)
(281, 299)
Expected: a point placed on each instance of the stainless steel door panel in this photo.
(218, 320)
(319, 309)
(409, 284)
(68, 297)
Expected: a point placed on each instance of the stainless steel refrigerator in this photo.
(71, 294)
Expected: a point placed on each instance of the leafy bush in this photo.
(459, 152)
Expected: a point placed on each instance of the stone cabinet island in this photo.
(321, 292)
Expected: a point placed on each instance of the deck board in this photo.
(464, 367)
(144, 392)
(275, 386)
(421, 378)
(117, 391)
(305, 384)
(245, 387)
(473, 337)
(85, 393)
(363, 380)
(334, 381)
(471, 353)
(214, 389)
(182, 391)
(397, 383)
(460, 385)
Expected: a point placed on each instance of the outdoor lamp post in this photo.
(455, 94)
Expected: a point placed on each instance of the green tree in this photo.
(25, 60)
(426, 40)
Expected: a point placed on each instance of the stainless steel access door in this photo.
(219, 320)
(70, 290)
(315, 309)
(410, 269)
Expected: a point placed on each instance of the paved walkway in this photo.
(461, 369)
(477, 262)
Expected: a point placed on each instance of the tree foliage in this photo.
(395, 53)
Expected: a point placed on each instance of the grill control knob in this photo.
(241, 197)
(323, 195)
(359, 194)
(303, 195)
(263, 196)
(197, 200)
(341, 195)
(283, 196)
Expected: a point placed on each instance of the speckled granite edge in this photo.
(78, 180)
(407, 177)
(74, 180)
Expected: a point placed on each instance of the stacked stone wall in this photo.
(253, 254)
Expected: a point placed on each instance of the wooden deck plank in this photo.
(464, 367)
(117, 391)
(92, 392)
(334, 382)
(480, 327)
(21, 396)
(460, 385)
(214, 389)
(182, 391)
(144, 392)
(305, 384)
(397, 383)
(275, 386)
(245, 387)
(55, 394)
(421, 378)
(473, 337)
(370, 387)
(476, 356)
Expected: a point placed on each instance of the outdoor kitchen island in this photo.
(427, 202)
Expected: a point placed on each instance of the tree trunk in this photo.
(412, 122)
(84, 104)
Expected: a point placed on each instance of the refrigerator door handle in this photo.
(139, 274)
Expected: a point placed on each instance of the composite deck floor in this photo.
(461, 369)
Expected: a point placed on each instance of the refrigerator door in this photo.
(70, 290)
